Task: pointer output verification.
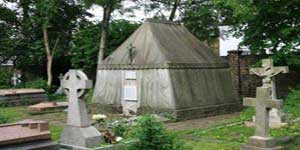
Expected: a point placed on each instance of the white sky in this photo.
(226, 42)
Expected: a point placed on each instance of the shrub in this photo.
(120, 129)
(292, 103)
(152, 135)
(5, 76)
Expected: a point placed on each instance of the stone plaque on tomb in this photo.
(78, 131)
(26, 134)
(130, 93)
(262, 103)
(130, 75)
(268, 72)
(130, 96)
(14, 97)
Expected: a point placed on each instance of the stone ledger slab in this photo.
(26, 135)
(47, 107)
(13, 97)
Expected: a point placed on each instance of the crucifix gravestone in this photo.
(268, 72)
(60, 89)
(78, 131)
(130, 99)
(263, 104)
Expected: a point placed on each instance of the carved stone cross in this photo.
(75, 82)
(262, 104)
(268, 71)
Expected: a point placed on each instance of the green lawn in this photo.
(226, 135)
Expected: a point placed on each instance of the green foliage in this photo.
(153, 136)
(55, 132)
(120, 129)
(202, 20)
(85, 51)
(292, 103)
(266, 25)
(5, 77)
(3, 119)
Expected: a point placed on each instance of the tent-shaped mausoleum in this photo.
(163, 67)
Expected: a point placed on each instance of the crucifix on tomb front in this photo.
(268, 72)
(263, 105)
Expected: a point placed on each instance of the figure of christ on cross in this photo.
(268, 72)
(262, 104)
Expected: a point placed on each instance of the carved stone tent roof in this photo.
(162, 44)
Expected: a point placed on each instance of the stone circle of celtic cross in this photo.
(75, 82)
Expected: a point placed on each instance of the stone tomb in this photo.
(47, 107)
(27, 134)
(130, 97)
(13, 97)
(268, 72)
(78, 132)
(263, 105)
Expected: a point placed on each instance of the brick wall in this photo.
(245, 84)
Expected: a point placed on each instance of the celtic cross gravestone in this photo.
(78, 131)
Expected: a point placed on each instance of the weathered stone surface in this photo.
(268, 72)
(262, 104)
(35, 145)
(59, 90)
(47, 107)
(13, 97)
(78, 131)
(81, 136)
(24, 131)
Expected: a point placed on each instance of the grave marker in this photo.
(262, 104)
(60, 89)
(268, 72)
(78, 131)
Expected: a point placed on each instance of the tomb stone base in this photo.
(261, 143)
(81, 136)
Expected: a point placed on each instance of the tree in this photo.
(108, 7)
(266, 25)
(84, 50)
(8, 24)
(57, 20)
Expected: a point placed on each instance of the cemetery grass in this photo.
(228, 134)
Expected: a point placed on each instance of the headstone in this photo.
(60, 91)
(130, 96)
(27, 134)
(268, 72)
(13, 97)
(78, 131)
(263, 104)
(47, 107)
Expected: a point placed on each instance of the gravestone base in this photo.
(274, 122)
(36, 145)
(261, 143)
(81, 136)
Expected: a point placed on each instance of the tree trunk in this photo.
(49, 56)
(104, 28)
(174, 9)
